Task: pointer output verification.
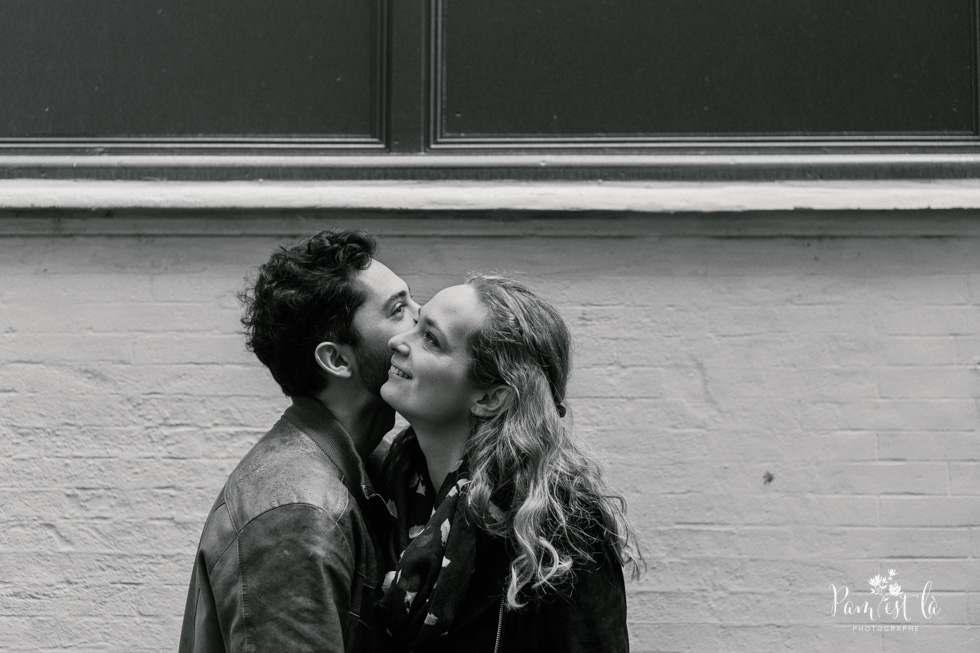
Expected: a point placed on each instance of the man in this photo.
(294, 547)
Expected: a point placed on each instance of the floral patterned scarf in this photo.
(438, 547)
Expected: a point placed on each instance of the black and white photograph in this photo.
(438, 326)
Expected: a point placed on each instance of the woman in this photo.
(510, 540)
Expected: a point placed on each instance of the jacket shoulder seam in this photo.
(334, 519)
(209, 567)
(236, 541)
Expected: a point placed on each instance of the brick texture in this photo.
(843, 366)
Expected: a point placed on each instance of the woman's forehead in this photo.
(456, 310)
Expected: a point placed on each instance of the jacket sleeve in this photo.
(593, 619)
(296, 568)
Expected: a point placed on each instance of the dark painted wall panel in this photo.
(708, 67)
(189, 67)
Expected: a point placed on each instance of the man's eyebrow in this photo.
(401, 294)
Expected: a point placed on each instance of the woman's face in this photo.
(428, 382)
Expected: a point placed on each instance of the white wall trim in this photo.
(647, 197)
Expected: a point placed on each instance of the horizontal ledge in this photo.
(771, 164)
(644, 197)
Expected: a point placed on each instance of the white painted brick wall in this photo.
(842, 359)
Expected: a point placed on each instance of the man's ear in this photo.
(335, 359)
(490, 401)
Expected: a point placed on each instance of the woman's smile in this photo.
(398, 372)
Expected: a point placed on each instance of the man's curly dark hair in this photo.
(305, 295)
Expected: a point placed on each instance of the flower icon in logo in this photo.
(877, 583)
(880, 584)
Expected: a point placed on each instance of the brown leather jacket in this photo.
(293, 549)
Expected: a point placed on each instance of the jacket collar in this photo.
(314, 419)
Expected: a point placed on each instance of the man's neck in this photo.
(364, 416)
(442, 448)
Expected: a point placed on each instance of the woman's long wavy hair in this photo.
(531, 483)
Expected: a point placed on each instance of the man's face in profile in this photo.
(388, 310)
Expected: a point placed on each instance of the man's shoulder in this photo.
(285, 467)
